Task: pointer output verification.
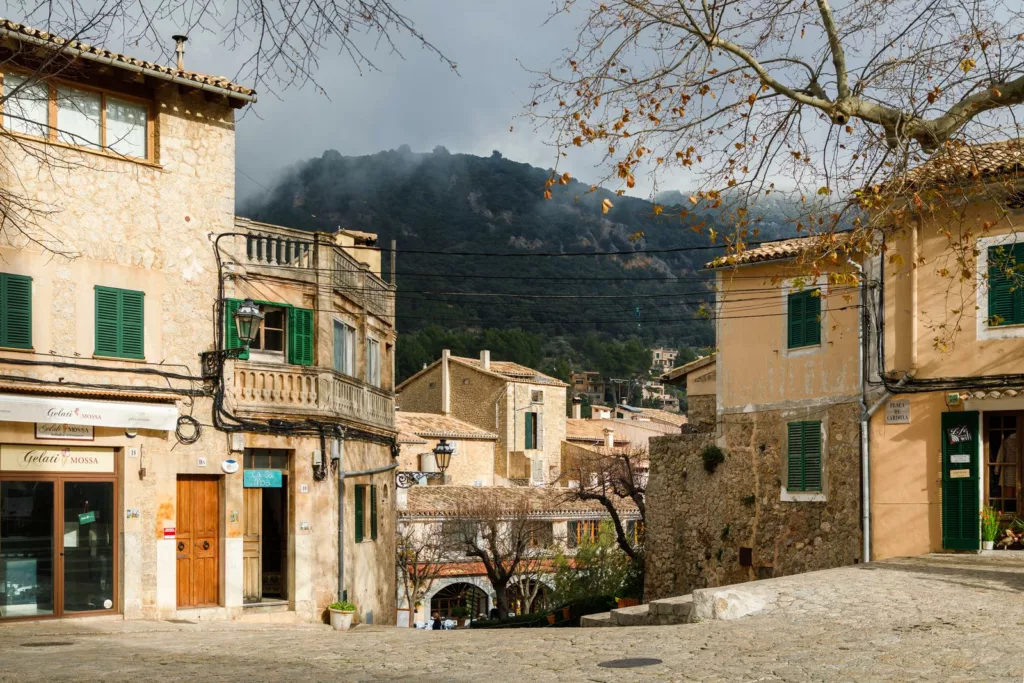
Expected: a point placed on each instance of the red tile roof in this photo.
(431, 425)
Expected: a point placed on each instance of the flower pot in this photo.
(988, 545)
(341, 621)
(551, 618)
(626, 602)
(565, 613)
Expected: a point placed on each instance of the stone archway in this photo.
(439, 585)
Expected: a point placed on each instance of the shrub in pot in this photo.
(341, 615)
(989, 527)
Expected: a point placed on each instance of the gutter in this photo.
(110, 61)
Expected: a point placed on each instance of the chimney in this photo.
(609, 437)
(446, 383)
(179, 48)
(577, 408)
(485, 360)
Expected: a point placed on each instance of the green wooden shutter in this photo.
(16, 315)
(803, 453)
(231, 340)
(795, 319)
(529, 430)
(1005, 296)
(360, 522)
(108, 322)
(300, 336)
(132, 324)
(373, 512)
(812, 318)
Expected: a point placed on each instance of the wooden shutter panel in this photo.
(107, 322)
(300, 336)
(360, 525)
(373, 512)
(132, 324)
(231, 340)
(16, 317)
(812, 456)
(529, 430)
(812, 318)
(540, 430)
(795, 457)
(1004, 299)
(795, 320)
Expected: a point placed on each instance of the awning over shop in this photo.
(73, 411)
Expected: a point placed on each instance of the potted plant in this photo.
(341, 615)
(461, 614)
(989, 527)
(551, 618)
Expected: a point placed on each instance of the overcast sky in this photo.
(417, 100)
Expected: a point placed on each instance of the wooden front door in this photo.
(198, 541)
(960, 508)
(252, 582)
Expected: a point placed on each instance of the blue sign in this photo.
(261, 479)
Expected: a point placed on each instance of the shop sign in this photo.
(897, 412)
(17, 458)
(170, 531)
(959, 474)
(72, 411)
(262, 479)
(959, 434)
(87, 517)
(58, 430)
(960, 458)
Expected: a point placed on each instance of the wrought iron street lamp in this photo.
(247, 322)
(443, 452)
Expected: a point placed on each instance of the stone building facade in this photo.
(525, 408)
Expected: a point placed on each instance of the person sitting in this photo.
(436, 623)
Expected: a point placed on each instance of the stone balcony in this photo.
(288, 391)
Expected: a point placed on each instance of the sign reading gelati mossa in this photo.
(15, 458)
(58, 430)
(261, 479)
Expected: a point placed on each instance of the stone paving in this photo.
(942, 617)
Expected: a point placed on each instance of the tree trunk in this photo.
(501, 598)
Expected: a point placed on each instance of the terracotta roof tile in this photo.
(590, 431)
(963, 161)
(118, 59)
(513, 371)
(678, 374)
(432, 425)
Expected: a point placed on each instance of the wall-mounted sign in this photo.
(953, 399)
(170, 531)
(229, 466)
(261, 479)
(960, 458)
(959, 474)
(132, 513)
(959, 434)
(200, 461)
(897, 412)
(17, 458)
(57, 430)
(133, 451)
(303, 488)
(73, 411)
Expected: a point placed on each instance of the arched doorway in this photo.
(459, 600)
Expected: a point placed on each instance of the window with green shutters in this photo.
(15, 311)
(804, 457)
(531, 431)
(299, 326)
(804, 318)
(1005, 276)
(120, 323)
(360, 495)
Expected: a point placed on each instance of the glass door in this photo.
(26, 549)
(88, 546)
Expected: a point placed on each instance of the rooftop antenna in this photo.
(179, 48)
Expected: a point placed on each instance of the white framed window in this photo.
(344, 348)
(373, 362)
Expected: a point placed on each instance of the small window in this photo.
(537, 396)
(804, 318)
(270, 337)
(15, 311)
(78, 117)
(583, 531)
(365, 509)
(120, 323)
(344, 348)
(27, 107)
(1005, 280)
(534, 433)
(373, 362)
(126, 128)
(804, 457)
(265, 459)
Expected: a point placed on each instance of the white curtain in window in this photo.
(344, 348)
(78, 117)
(126, 128)
(26, 110)
(373, 362)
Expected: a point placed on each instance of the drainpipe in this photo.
(863, 341)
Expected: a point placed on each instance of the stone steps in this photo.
(665, 612)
